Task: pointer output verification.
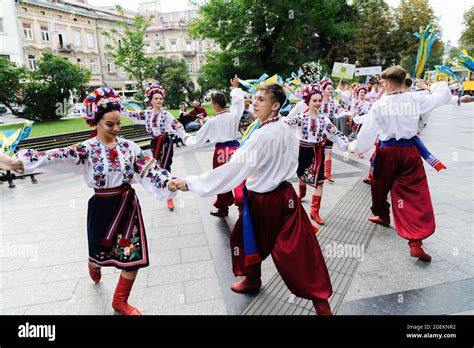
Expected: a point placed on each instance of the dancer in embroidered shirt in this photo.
(398, 168)
(313, 130)
(109, 164)
(221, 130)
(159, 123)
(273, 220)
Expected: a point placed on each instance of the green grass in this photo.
(77, 124)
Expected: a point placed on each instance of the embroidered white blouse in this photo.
(156, 123)
(312, 130)
(102, 166)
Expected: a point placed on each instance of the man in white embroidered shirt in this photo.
(273, 220)
(397, 166)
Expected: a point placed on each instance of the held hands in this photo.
(177, 184)
(8, 163)
(422, 84)
(466, 99)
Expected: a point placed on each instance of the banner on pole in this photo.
(343, 71)
(370, 70)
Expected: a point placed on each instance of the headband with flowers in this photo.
(360, 88)
(326, 81)
(152, 89)
(310, 89)
(99, 102)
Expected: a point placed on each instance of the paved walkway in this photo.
(43, 245)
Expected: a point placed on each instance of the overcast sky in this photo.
(450, 12)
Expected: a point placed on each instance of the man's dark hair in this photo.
(277, 91)
(219, 99)
(396, 74)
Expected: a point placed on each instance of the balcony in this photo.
(190, 53)
(66, 47)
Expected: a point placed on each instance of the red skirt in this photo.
(222, 155)
(282, 228)
(399, 170)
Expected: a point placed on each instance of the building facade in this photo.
(10, 41)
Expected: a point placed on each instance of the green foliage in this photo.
(411, 16)
(128, 49)
(467, 36)
(47, 93)
(269, 36)
(11, 76)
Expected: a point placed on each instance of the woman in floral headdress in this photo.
(159, 123)
(313, 130)
(109, 164)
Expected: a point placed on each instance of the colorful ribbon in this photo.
(9, 139)
(427, 38)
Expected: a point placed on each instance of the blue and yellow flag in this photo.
(443, 69)
(427, 38)
(465, 60)
(9, 139)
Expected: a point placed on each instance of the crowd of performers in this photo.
(253, 173)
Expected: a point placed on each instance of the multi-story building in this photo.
(74, 29)
(10, 43)
(63, 29)
(167, 36)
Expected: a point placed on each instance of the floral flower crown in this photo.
(360, 88)
(326, 81)
(152, 89)
(310, 89)
(99, 102)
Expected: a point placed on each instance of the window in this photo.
(27, 31)
(77, 38)
(24, 9)
(32, 62)
(173, 46)
(45, 34)
(188, 46)
(200, 46)
(110, 66)
(1, 25)
(43, 13)
(90, 40)
(190, 66)
(60, 17)
(93, 66)
(147, 47)
(106, 39)
(158, 45)
(80, 62)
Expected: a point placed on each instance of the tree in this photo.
(128, 50)
(268, 36)
(374, 43)
(174, 76)
(467, 36)
(410, 17)
(11, 77)
(46, 95)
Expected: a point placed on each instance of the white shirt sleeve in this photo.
(153, 178)
(333, 134)
(174, 126)
(138, 117)
(440, 95)
(238, 103)
(67, 159)
(228, 176)
(368, 133)
(203, 134)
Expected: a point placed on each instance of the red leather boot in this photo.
(94, 273)
(327, 170)
(315, 205)
(170, 204)
(417, 251)
(122, 292)
(302, 191)
(322, 307)
(248, 284)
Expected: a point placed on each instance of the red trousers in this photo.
(399, 170)
(282, 228)
(222, 155)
